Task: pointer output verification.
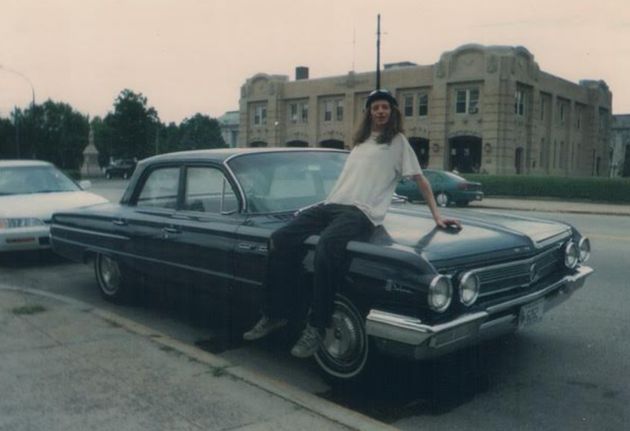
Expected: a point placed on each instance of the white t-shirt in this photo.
(371, 173)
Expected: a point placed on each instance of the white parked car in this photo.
(30, 192)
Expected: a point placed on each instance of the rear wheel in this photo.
(114, 282)
(442, 199)
(344, 351)
(125, 175)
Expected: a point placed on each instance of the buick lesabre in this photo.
(412, 290)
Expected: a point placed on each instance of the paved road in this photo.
(569, 372)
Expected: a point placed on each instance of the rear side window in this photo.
(160, 189)
(208, 191)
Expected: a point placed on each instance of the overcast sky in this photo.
(189, 56)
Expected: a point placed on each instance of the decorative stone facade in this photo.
(620, 146)
(487, 109)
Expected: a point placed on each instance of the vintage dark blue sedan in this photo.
(412, 290)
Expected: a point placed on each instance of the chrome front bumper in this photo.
(406, 336)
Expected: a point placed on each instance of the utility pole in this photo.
(15, 112)
(378, 51)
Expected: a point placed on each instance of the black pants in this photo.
(336, 225)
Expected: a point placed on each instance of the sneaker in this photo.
(308, 344)
(265, 326)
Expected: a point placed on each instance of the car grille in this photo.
(508, 276)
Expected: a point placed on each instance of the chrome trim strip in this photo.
(89, 232)
(236, 181)
(162, 262)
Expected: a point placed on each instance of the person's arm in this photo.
(427, 193)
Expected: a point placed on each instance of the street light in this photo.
(20, 74)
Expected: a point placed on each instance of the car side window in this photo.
(208, 191)
(160, 189)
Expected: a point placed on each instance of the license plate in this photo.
(531, 313)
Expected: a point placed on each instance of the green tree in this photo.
(133, 125)
(102, 140)
(52, 131)
(7, 139)
(200, 131)
(169, 138)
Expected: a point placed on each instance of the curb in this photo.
(552, 210)
(319, 406)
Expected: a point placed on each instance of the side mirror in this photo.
(85, 184)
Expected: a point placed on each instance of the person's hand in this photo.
(448, 223)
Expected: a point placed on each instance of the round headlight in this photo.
(440, 293)
(571, 255)
(468, 288)
(584, 247)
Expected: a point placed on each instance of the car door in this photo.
(149, 220)
(201, 233)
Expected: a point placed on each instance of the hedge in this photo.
(616, 190)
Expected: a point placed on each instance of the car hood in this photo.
(485, 235)
(43, 205)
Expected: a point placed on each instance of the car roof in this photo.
(22, 163)
(221, 154)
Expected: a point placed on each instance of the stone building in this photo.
(489, 109)
(620, 146)
(228, 123)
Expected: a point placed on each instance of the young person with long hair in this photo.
(380, 157)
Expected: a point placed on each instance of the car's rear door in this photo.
(148, 220)
(201, 234)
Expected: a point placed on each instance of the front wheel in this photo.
(344, 351)
(113, 280)
(442, 199)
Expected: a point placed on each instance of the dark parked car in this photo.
(120, 168)
(412, 290)
(448, 188)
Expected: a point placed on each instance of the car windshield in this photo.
(286, 181)
(34, 179)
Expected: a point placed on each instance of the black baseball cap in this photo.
(380, 94)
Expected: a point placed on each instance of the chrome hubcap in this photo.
(110, 275)
(441, 199)
(343, 340)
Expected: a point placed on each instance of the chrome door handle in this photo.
(119, 222)
(171, 230)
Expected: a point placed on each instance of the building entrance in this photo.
(464, 154)
(421, 148)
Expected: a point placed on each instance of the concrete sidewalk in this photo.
(65, 365)
(548, 205)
